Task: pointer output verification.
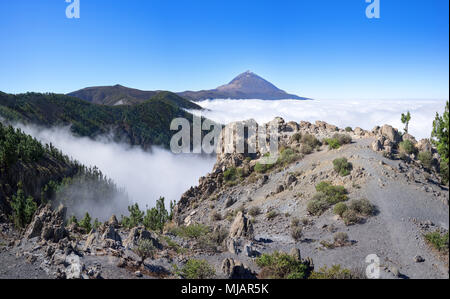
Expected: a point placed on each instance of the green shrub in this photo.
(310, 141)
(197, 269)
(332, 143)
(340, 208)
(317, 207)
(333, 194)
(335, 272)
(338, 140)
(426, 158)
(145, 249)
(342, 166)
(348, 129)
(281, 266)
(287, 156)
(194, 231)
(343, 138)
(262, 168)
(438, 241)
(363, 207)
(350, 217)
(232, 174)
(407, 147)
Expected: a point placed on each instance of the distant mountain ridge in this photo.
(118, 95)
(247, 85)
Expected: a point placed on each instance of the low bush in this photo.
(338, 140)
(310, 141)
(232, 174)
(333, 194)
(340, 208)
(193, 231)
(281, 266)
(335, 272)
(407, 147)
(426, 158)
(196, 269)
(350, 217)
(438, 241)
(348, 129)
(145, 249)
(363, 207)
(342, 166)
(317, 207)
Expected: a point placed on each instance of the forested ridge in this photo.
(143, 124)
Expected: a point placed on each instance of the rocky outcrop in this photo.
(48, 225)
(241, 227)
(140, 233)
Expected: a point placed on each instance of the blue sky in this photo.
(320, 49)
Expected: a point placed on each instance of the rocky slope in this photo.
(242, 210)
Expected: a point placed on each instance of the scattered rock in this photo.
(419, 259)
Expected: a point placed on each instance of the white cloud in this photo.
(145, 176)
(365, 114)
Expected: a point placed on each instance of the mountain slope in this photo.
(245, 86)
(145, 124)
(390, 204)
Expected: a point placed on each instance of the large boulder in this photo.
(390, 133)
(409, 137)
(241, 227)
(424, 145)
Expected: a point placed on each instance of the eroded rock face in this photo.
(48, 224)
(140, 233)
(241, 227)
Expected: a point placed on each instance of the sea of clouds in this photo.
(363, 113)
(144, 175)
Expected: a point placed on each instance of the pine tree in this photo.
(405, 120)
